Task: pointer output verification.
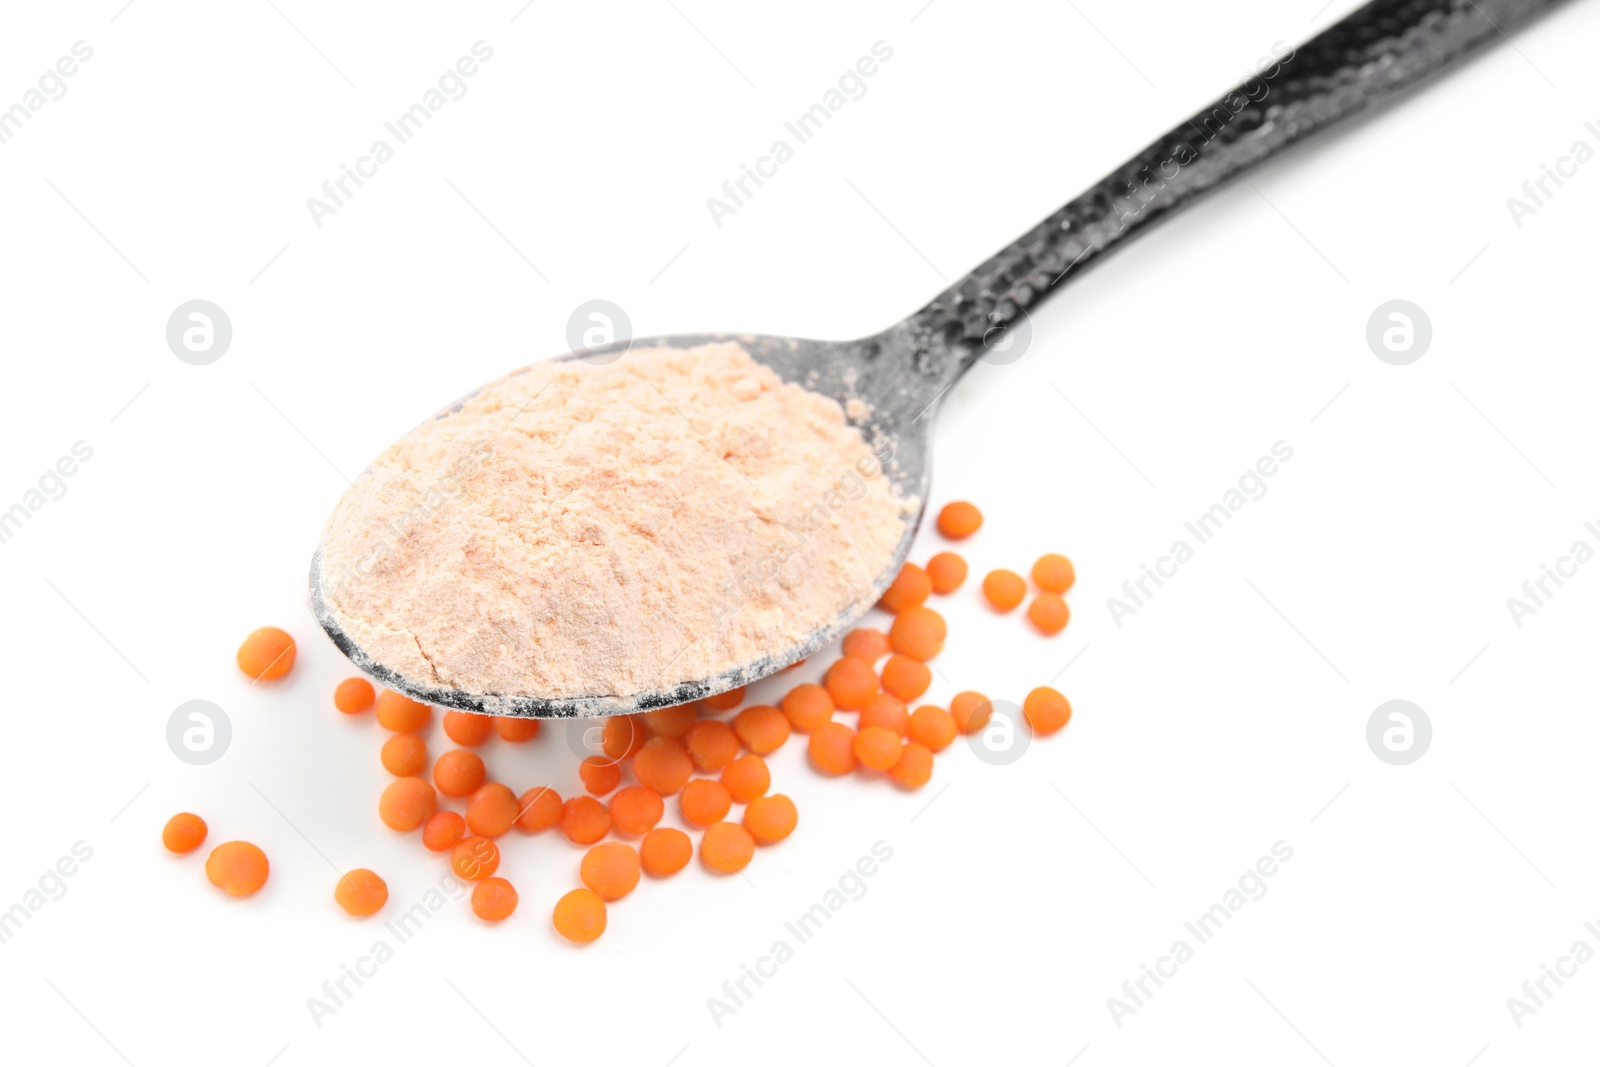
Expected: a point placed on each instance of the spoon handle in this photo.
(1383, 48)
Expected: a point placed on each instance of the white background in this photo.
(1227, 714)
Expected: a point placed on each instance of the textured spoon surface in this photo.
(1373, 55)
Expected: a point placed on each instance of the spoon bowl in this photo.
(884, 397)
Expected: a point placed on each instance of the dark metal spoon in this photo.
(1373, 55)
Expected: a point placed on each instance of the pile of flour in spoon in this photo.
(574, 530)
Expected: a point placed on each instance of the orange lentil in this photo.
(918, 633)
(877, 747)
(183, 833)
(808, 707)
(354, 696)
(726, 847)
(909, 588)
(712, 746)
(851, 683)
(584, 820)
(494, 899)
(970, 710)
(622, 736)
(796, 663)
(933, 727)
(404, 755)
(725, 701)
(746, 777)
(1046, 710)
(664, 763)
(238, 868)
(580, 916)
(1054, 573)
(600, 775)
(832, 748)
(538, 809)
(870, 645)
(611, 869)
(885, 710)
(458, 773)
(361, 892)
(665, 850)
(516, 730)
(770, 819)
(905, 677)
(492, 810)
(467, 728)
(473, 858)
(705, 801)
(762, 728)
(670, 722)
(1004, 589)
(266, 654)
(636, 810)
(406, 804)
(1049, 613)
(401, 714)
(946, 571)
(959, 519)
(914, 768)
(442, 830)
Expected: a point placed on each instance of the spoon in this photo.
(902, 373)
